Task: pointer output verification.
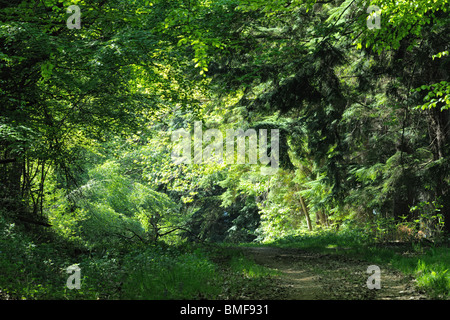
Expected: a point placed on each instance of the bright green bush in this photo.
(433, 278)
(112, 209)
(34, 270)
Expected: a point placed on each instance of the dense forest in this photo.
(118, 154)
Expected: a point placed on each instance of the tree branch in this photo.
(5, 161)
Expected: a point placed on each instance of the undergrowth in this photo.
(36, 268)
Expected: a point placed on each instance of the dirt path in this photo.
(309, 275)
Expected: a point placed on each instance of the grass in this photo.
(197, 273)
(242, 277)
(171, 275)
(249, 268)
(35, 269)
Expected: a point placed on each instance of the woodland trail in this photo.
(306, 275)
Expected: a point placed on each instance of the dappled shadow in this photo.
(306, 275)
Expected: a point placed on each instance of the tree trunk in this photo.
(305, 211)
(439, 130)
(10, 179)
(322, 218)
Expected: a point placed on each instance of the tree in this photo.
(66, 90)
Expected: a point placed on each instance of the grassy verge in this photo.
(242, 278)
(36, 269)
(174, 273)
(195, 272)
(428, 263)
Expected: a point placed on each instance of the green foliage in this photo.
(112, 207)
(35, 270)
(87, 117)
(281, 212)
(115, 91)
(170, 275)
(438, 95)
(407, 17)
(434, 278)
(327, 240)
(429, 219)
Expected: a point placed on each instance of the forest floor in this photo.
(306, 275)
